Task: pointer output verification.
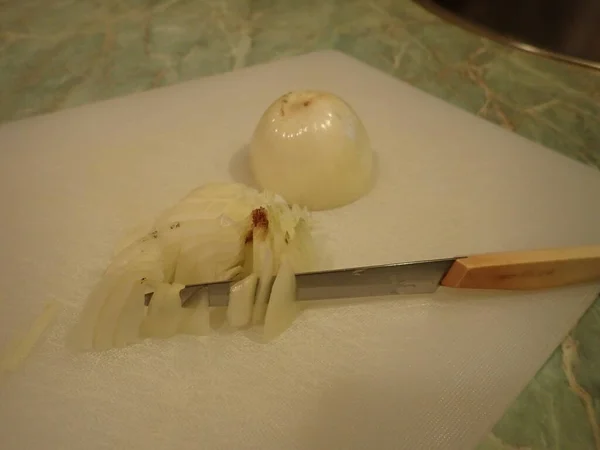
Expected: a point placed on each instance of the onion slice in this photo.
(164, 312)
(265, 279)
(129, 285)
(82, 335)
(132, 315)
(282, 308)
(196, 320)
(241, 301)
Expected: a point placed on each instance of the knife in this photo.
(522, 270)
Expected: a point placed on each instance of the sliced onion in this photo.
(180, 244)
(248, 265)
(208, 202)
(127, 286)
(196, 320)
(218, 317)
(81, 336)
(301, 251)
(199, 262)
(282, 308)
(164, 312)
(264, 281)
(143, 254)
(241, 301)
(131, 317)
(203, 238)
(290, 237)
(258, 251)
(18, 349)
(133, 235)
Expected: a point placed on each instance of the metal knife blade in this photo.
(358, 282)
(513, 270)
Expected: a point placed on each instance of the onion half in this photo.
(312, 148)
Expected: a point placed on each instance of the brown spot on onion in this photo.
(260, 218)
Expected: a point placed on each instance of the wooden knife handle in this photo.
(538, 269)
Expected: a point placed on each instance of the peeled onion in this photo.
(311, 148)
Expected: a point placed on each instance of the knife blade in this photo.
(521, 270)
(358, 282)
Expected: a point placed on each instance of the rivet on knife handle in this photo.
(537, 269)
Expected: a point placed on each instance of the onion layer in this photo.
(282, 309)
(241, 301)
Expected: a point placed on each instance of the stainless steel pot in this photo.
(568, 30)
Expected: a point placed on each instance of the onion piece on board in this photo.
(143, 254)
(164, 312)
(282, 308)
(196, 320)
(265, 279)
(132, 315)
(128, 286)
(241, 301)
(203, 238)
(81, 336)
(312, 148)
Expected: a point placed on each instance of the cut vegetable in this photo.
(82, 335)
(264, 281)
(221, 231)
(13, 355)
(241, 301)
(202, 262)
(312, 148)
(196, 320)
(248, 267)
(209, 244)
(132, 315)
(143, 254)
(218, 317)
(128, 286)
(164, 312)
(282, 308)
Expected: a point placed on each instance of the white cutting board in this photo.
(425, 372)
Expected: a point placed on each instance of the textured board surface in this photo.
(418, 372)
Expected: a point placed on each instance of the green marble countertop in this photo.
(57, 54)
